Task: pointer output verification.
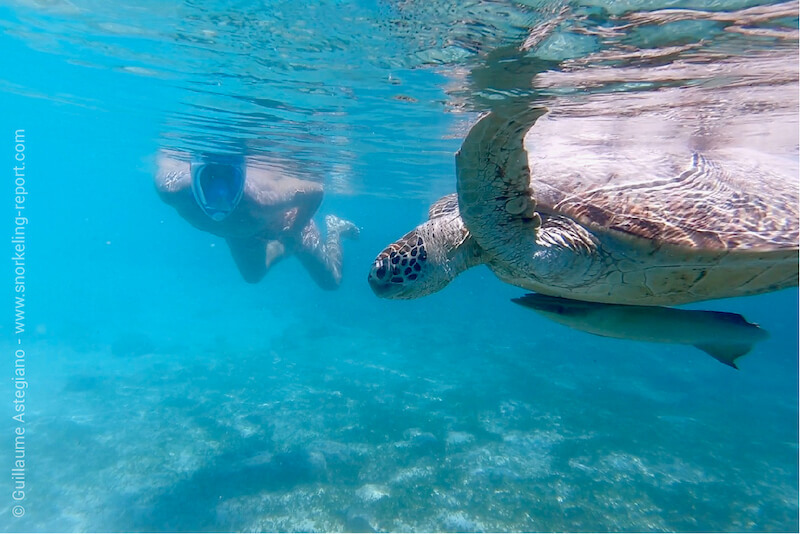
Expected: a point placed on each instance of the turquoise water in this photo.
(166, 394)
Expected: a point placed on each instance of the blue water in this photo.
(166, 394)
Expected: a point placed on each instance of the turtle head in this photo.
(405, 269)
(424, 260)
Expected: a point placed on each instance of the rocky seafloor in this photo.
(328, 427)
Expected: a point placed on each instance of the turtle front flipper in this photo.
(494, 193)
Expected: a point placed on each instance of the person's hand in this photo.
(275, 250)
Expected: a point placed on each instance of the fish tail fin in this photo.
(727, 354)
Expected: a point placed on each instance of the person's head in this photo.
(218, 184)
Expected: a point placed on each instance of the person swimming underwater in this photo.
(263, 215)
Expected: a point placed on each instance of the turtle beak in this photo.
(378, 277)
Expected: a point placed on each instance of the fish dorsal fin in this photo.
(448, 204)
(726, 354)
(733, 318)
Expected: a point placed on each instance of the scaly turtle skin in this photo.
(657, 198)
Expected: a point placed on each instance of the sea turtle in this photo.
(661, 198)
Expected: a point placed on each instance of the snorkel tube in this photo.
(218, 183)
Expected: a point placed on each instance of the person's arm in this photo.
(276, 192)
(250, 257)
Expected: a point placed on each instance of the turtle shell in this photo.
(674, 167)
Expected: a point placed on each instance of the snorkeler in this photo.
(263, 215)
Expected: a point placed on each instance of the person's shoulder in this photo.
(268, 185)
(172, 171)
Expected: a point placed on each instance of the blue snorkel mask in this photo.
(218, 184)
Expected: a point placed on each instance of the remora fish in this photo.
(725, 336)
